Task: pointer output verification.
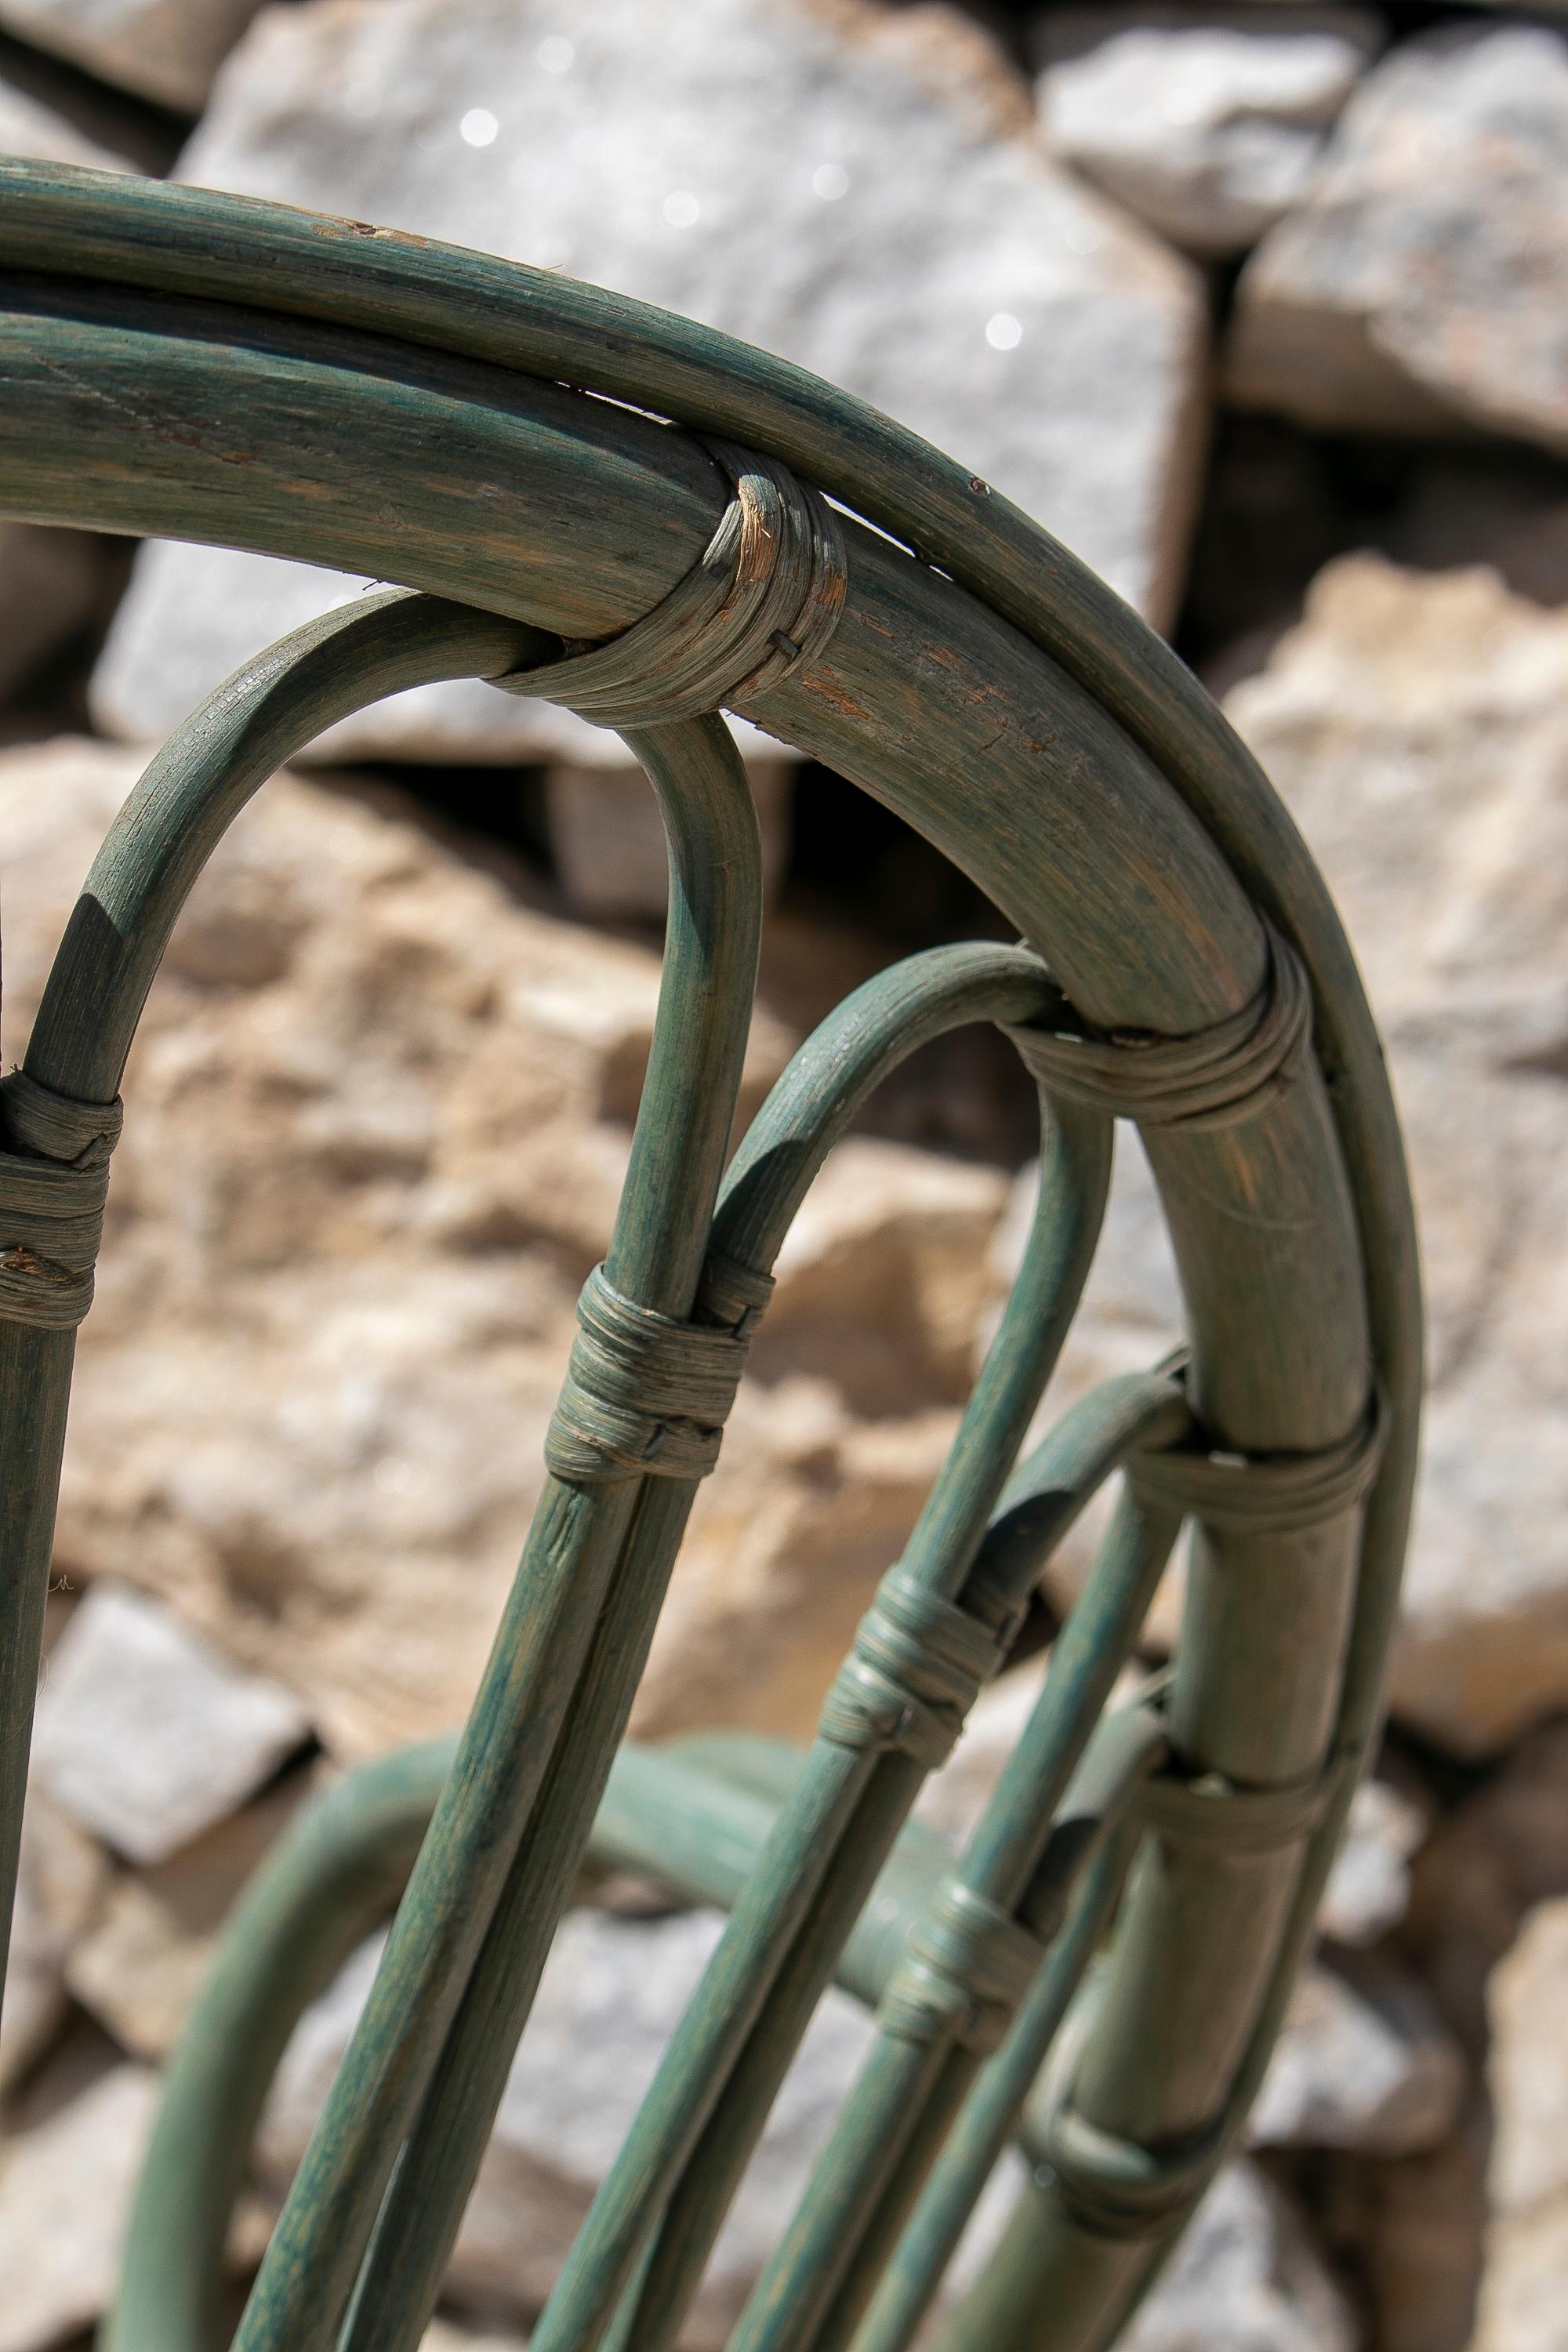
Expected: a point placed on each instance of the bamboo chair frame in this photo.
(581, 497)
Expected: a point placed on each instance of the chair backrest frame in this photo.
(183, 364)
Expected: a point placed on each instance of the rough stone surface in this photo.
(1364, 2065)
(65, 2191)
(1421, 2227)
(1495, 1857)
(1206, 123)
(1245, 2278)
(163, 49)
(608, 837)
(1424, 280)
(378, 1123)
(1410, 2231)
(886, 1253)
(1369, 1887)
(855, 189)
(1521, 2307)
(59, 1886)
(52, 583)
(147, 1733)
(141, 1966)
(1376, 718)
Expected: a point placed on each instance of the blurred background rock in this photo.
(1265, 311)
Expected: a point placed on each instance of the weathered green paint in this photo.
(189, 365)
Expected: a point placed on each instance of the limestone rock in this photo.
(611, 1993)
(1369, 1886)
(58, 1888)
(65, 2192)
(1521, 2307)
(885, 1252)
(1494, 1858)
(851, 188)
(1245, 2278)
(608, 837)
(147, 1734)
(1412, 2232)
(1366, 2065)
(1205, 122)
(1424, 279)
(1375, 718)
(163, 49)
(140, 1968)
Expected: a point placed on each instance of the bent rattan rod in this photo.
(340, 1869)
(695, 1815)
(206, 243)
(1041, 589)
(112, 948)
(949, 2006)
(336, 1874)
(1040, 1503)
(1096, 1842)
(562, 1676)
(841, 1818)
(96, 991)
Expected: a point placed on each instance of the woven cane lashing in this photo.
(1269, 1493)
(51, 1204)
(763, 600)
(915, 1671)
(968, 1969)
(1214, 1077)
(646, 1394)
(1000, 700)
